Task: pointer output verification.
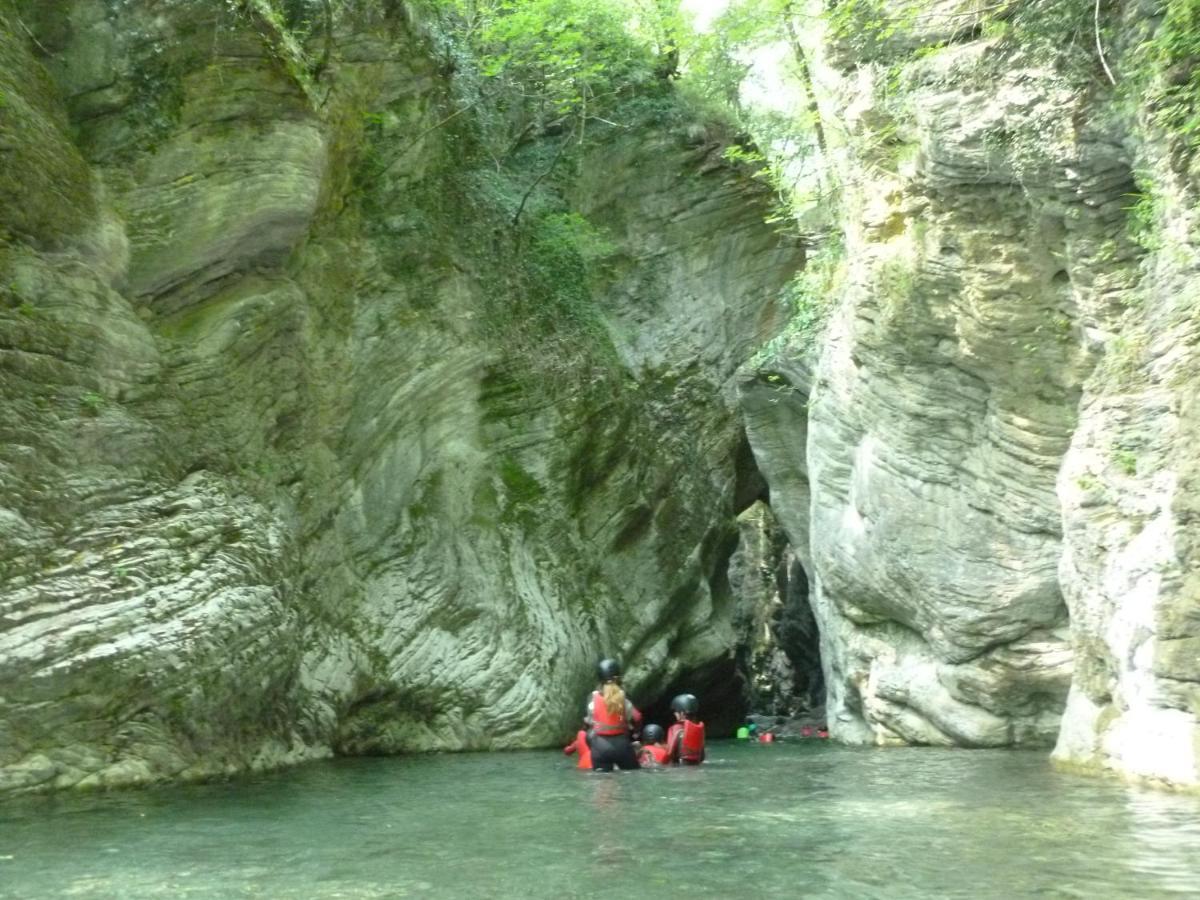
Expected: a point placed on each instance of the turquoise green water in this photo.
(808, 820)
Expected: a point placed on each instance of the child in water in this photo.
(685, 740)
(580, 746)
(654, 750)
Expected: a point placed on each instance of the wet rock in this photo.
(301, 452)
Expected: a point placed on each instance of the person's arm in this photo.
(587, 712)
(633, 717)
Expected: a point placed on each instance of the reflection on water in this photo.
(809, 820)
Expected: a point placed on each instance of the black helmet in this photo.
(652, 734)
(608, 669)
(685, 703)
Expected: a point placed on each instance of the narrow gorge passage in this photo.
(772, 668)
(783, 653)
(372, 369)
(369, 369)
(778, 649)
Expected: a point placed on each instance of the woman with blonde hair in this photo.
(611, 719)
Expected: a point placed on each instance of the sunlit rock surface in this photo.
(291, 461)
(990, 454)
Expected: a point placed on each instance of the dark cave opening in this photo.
(773, 667)
(722, 691)
(784, 662)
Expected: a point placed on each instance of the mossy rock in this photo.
(45, 185)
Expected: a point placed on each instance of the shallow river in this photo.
(808, 820)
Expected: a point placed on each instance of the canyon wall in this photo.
(987, 453)
(313, 439)
(330, 427)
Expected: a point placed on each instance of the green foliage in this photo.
(662, 25)
(996, 29)
(809, 298)
(572, 233)
(1166, 71)
(564, 251)
(1144, 214)
(567, 58)
(285, 27)
(547, 315)
(91, 403)
(1126, 461)
(1125, 356)
(894, 287)
(156, 100)
(865, 26)
(714, 62)
(739, 154)
(522, 490)
(771, 171)
(1058, 32)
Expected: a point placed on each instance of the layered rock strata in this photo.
(306, 447)
(987, 456)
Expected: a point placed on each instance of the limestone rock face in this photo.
(304, 451)
(984, 463)
(326, 431)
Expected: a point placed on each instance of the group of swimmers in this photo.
(611, 723)
(751, 732)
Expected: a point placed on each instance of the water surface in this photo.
(798, 820)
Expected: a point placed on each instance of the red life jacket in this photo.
(603, 722)
(580, 746)
(655, 755)
(691, 745)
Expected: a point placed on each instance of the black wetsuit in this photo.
(612, 750)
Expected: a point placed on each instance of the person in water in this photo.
(654, 750)
(685, 740)
(611, 720)
(580, 746)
